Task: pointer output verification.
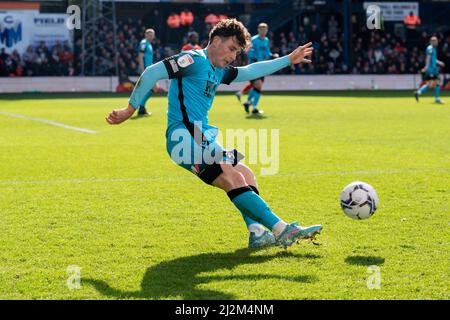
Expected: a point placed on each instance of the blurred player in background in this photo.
(260, 51)
(243, 57)
(431, 71)
(145, 59)
(193, 42)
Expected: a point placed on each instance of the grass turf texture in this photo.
(139, 227)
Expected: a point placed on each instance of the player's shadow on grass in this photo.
(364, 260)
(182, 277)
(256, 117)
(136, 117)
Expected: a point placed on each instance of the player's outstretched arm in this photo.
(427, 63)
(141, 61)
(301, 54)
(146, 82)
(264, 68)
(120, 115)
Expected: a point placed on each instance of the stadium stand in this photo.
(375, 52)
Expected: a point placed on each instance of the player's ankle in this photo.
(278, 228)
(256, 228)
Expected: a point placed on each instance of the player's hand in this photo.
(275, 55)
(301, 54)
(120, 115)
(441, 64)
(423, 70)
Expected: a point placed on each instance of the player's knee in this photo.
(236, 179)
(247, 173)
(232, 179)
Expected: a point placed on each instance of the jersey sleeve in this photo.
(146, 82)
(429, 51)
(261, 69)
(142, 47)
(180, 65)
(230, 73)
(268, 52)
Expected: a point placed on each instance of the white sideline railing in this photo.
(58, 84)
(272, 83)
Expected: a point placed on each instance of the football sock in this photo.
(247, 88)
(248, 221)
(251, 94)
(252, 225)
(250, 204)
(279, 227)
(256, 228)
(422, 89)
(256, 97)
(437, 92)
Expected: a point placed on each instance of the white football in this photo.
(359, 200)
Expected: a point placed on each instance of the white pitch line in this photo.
(362, 172)
(191, 177)
(92, 180)
(53, 123)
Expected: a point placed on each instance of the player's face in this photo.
(262, 31)
(227, 51)
(194, 39)
(150, 36)
(434, 42)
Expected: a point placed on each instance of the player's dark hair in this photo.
(229, 28)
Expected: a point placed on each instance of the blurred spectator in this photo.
(301, 36)
(3, 54)
(66, 56)
(186, 18)
(377, 52)
(412, 21)
(173, 21)
(193, 42)
(223, 17)
(314, 34)
(211, 19)
(332, 27)
(30, 58)
(42, 51)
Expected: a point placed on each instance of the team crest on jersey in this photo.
(211, 85)
(185, 60)
(210, 89)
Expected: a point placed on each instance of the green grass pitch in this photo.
(139, 227)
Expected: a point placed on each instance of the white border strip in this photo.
(53, 123)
